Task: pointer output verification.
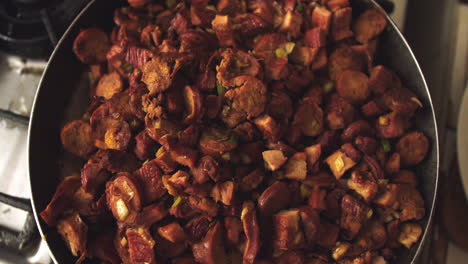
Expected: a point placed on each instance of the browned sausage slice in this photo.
(91, 46)
(353, 86)
(252, 232)
(77, 138)
(369, 24)
(211, 249)
(109, 84)
(413, 148)
(309, 118)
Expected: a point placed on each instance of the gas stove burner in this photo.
(31, 28)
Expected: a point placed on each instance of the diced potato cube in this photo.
(339, 163)
(409, 234)
(274, 159)
(296, 167)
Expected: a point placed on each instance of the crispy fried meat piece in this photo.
(74, 232)
(61, 200)
(211, 249)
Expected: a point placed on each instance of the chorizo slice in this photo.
(369, 25)
(108, 85)
(158, 74)
(309, 118)
(91, 46)
(252, 232)
(117, 136)
(216, 141)
(211, 249)
(353, 86)
(77, 138)
(236, 63)
(344, 58)
(250, 97)
(413, 148)
(123, 197)
(74, 232)
(109, 131)
(61, 200)
(140, 245)
(274, 198)
(193, 104)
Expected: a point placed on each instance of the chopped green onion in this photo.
(386, 145)
(128, 67)
(299, 7)
(306, 191)
(328, 87)
(233, 139)
(220, 88)
(171, 3)
(176, 201)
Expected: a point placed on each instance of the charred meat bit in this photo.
(74, 232)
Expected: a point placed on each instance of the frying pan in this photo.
(62, 95)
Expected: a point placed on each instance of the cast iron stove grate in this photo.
(31, 28)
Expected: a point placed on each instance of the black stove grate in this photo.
(18, 242)
(31, 28)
